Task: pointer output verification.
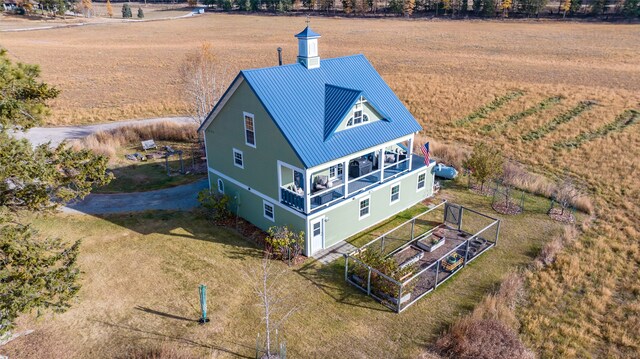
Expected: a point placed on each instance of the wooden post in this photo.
(369, 282)
(460, 218)
(413, 223)
(399, 297)
(382, 244)
(497, 233)
(346, 266)
(437, 273)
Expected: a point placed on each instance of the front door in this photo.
(317, 234)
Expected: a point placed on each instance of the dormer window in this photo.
(358, 116)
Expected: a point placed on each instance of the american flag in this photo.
(426, 153)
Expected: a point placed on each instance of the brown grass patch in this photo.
(108, 142)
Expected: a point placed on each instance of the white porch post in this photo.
(381, 164)
(345, 175)
(410, 152)
(307, 191)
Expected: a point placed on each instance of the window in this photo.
(238, 161)
(268, 210)
(220, 186)
(421, 178)
(317, 229)
(358, 116)
(335, 171)
(395, 193)
(249, 130)
(364, 208)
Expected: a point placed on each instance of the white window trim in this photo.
(235, 150)
(244, 122)
(220, 186)
(368, 207)
(359, 106)
(391, 194)
(424, 186)
(264, 210)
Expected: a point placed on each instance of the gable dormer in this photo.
(346, 108)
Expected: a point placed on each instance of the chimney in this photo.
(279, 56)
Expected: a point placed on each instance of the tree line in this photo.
(448, 8)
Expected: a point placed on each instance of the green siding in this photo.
(250, 207)
(260, 164)
(344, 219)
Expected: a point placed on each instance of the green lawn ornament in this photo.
(203, 304)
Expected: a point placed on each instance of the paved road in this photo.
(39, 135)
(175, 198)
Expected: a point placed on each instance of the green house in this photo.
(322, 146)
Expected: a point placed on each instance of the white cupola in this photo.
(308, 48)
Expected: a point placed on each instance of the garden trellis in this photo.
(427, 249)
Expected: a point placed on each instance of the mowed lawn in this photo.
(141, 274)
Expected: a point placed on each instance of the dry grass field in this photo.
(586, 303)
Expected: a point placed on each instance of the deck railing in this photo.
(292, 199)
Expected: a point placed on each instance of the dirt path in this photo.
(40, 135)
(175, 198)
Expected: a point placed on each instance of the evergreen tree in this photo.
(36, 273)
(395, 6)
(488, 8)
(477, 6)
(631, 8)
(576, 5)
(126, 11)
(140, 13)
(598, 7)
(109, 9)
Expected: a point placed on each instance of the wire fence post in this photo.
(413, 224)
(382, 245)
(369, 282)
(466, 253)
(437, 274)
(497, 233)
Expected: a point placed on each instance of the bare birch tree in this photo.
(566, 193)
(205, 78)
(269, 285)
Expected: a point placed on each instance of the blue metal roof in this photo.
(295, 97)
(307, 33)
(338, 101)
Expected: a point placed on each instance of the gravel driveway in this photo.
(175, 198)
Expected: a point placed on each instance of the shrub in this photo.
(215, 204)
(387, 266)
(485, 163)
(140, 13)
(284, 242)
(126, 11)
(481, 339)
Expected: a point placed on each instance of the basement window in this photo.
(364, 207)
(268, 211)
(238, 159)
